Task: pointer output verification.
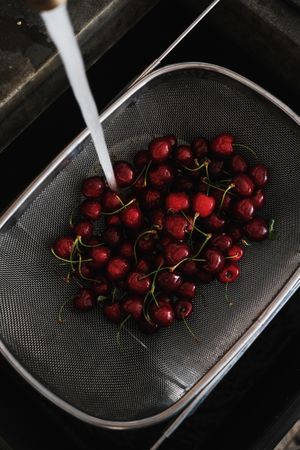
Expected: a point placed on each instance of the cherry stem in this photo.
(231, 257)
(205, 164)
(153, 285)
(146, 313)
(226, 295)
(204, 180)
(114, 295)
(101, 298)
(193, 223)
(224, 195)
(67, 279)
(272, 232)
(70, 261)
(190, 330)
(146, 173)
(208, 237)
(86, 245)
(138, 238)
(136, 180)
(120, 209)
(246, 147)
(71, 223)
(246, 243)
(60, 319)
(120, 328)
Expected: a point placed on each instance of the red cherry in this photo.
(133, 305)
(84, 272)
(147, 243)
(117, 268)
(113, 219)
(172, 139)
(236, 253)
(113, 312)
(216, 169)
(166, 240)
(205, 277)
(151, 198)
(221, 242)
(214, 260)
(237, 164)
(160, 149)
(169, 281)
(174, 253)
(138, 283)
(214, 222)
(229, 273)
(126, 250)
(234, 232)
(177, 201)
(243, 209)
(158, 218)
(163, 315)
(84, 300)
(259, 174)
(189, 268)
(93, 187)
(100, 256)
(199, 147)
(148, 327)
(63, 247)
(159, 260)
(143, 266)
(243, 185)
(163, 298)
(111, 201)
(203, 204)
(184, 183)
(132, 217)
(187, 289)
(258, 199)
(177, 226)
(112, 236)
(101, 286)
(184, 155)
(161, 176)
(226, 200)
(183, 309)
(124, 173)
(141, 159)
(222, 144)
(256, 229)
(91, 209)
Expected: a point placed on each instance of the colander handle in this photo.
(174, 44)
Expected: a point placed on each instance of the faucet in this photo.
(45, 5)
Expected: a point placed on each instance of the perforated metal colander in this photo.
(79, 365)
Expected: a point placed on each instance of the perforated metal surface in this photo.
(80, 361)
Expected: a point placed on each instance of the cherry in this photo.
(146, 243)
(111, 201)
(166, 240)
(143, 266)
(91, 209)
(100, 256)
(113, 312)
(221, 242)
(84, 271)
(244, 209)
(124, 173)
(184, 183)
(126, 250)
(214, 222)
(148, 327)
(205, 277)
(172, 139)
(222, 202)
(199, 147)
(243, 185)
(256, 229)
(159, 260)
(187, 289)
(101, 286)
(174, 253)
(117, 268)
(189, 268)
(214, 260)
(161, 176)
(258, 199)
(203, 204)
(237, 164)
(222, 144)
(141, 159)
(235, 232)
(63, 247)
(229, 273)
(84, 300)
(112, 236)
(216, 169)
(160, 149)
(94, 241)
(163, 298)
(151, 198)
(132, 216)
(133, 305)
(158, 218)
(163, 315)
(177, 226)
(93, 187)
(259, 174)
(184, 155)
(112, 219)
(169, 281)
(235, 252)
(177, 201)
(138, 283)
(183, 309)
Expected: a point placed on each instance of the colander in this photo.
(79, 365)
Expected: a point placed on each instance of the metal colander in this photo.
(79, 365)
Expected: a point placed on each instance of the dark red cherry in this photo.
(113, 312)
(133, 305)
(151, 198)
(132, 216)
(172, 139)
(100, 256)
(214, 260)
(177, 201)
(141, 159)
(177, 226)
(258, 199)
(124, 173)
(184, 155)
(214, 222)
(169, 282)
(183, 309)
(101, 286)
(235, 253)
(237, 164)
(91, 209)
(187, 290)
(163, 298)
(199, 147)
(161, 176)
(112, 236)
(160, 149)
(226, 200)
(117, 268)
(138, 283)
(235, 232)
(221, 242)
(176, 252)
(229, 273)
(83, 271)
(84, 300)
(184, 183)
(143, 266)
(203, 204)
(158, 218)
(146, 243)
(204, 277)
(63, 247)
(113, 219)
(126, 250)
(163, 315)
(243, 185)
(93, 187)
(189, 268)
(216, 169)
(259, 174)
(222, 145)
(256, 229)
(111, 201)
(243, 209)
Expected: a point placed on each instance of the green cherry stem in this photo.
(70, 261)
(193, 223)
(190, 330)
(208, 237)
(146, 173)
(246, 147)
(137, 240)
(231, 185)
(120, 209)
(60, 319)
(226, 295)
(120, 329)
(196, 168)
(86, 245)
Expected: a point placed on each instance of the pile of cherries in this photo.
(181, 217)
